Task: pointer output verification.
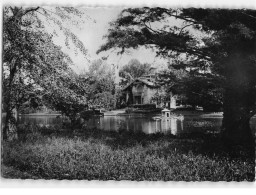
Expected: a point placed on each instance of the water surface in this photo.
(142, 123)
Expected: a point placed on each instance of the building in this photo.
(145, 90)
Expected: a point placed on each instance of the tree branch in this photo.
(184, 27)
(41, 13)
(167, 11)
(30, 10)
(248, 15)
(157, 32)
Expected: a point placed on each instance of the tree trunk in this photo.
(10, 128)
(239, 98)
(236, 117)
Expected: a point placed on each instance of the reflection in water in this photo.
(142, 123)
(135, 124)
(40, 120)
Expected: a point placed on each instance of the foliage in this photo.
(161, 96)
(133, 70)
(193, 88)
(218, 44)
(144, 106)
(120, 98)
(97, 155)
(104, 100)
(33, 65)
(205, 92)
(101, 86)
(22, 95)
(68, 96)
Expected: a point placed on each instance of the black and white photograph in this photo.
(128, 93)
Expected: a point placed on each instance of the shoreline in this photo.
(200, 114)
(39, 114)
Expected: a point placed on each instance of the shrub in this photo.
(144, 106)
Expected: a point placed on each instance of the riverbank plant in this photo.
(97, 155)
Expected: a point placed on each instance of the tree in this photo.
(194, 89)
(68, 94)
(101, 90)
(216, 42)
(133, 70)
(203, 91)
(31, 61)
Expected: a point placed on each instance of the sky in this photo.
(91, 32)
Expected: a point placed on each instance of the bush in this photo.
(129, 110)
(144, 106)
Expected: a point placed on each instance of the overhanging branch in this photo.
(26, 11)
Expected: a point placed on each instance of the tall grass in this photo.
(94, 155)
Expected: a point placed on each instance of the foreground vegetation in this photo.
(97, 155)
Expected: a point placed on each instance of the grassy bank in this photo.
(97, 155)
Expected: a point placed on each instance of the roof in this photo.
(143, 80)
(165, 110)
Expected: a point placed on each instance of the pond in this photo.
(143, 123)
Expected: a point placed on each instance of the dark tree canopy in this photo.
(193, 88)
(216, 43)
(140, 26)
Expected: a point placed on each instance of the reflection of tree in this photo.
(203, 125)
(122, 125)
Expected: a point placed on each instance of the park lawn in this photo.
(98, 155)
